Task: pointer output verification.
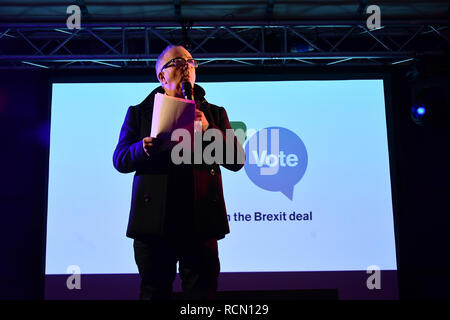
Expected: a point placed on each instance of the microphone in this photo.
(186, 87)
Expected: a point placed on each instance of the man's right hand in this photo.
(150, 145)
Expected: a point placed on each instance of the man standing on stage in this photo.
(177, 211)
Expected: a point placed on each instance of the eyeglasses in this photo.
(179, 62)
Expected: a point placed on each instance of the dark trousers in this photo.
(199, 267)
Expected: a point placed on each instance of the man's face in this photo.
(172, 77)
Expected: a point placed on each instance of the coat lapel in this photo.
(207, 111)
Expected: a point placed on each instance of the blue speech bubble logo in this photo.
(276, 160)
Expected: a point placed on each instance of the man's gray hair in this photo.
(158, 63)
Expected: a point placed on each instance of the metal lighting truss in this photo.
(216, 44)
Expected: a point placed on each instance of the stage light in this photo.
(299, 48)
(420, 111)
(430, 107)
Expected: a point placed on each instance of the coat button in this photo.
(147, 198)
(213, 172)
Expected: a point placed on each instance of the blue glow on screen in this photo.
(346, 184)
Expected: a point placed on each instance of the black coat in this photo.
(168, 199)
